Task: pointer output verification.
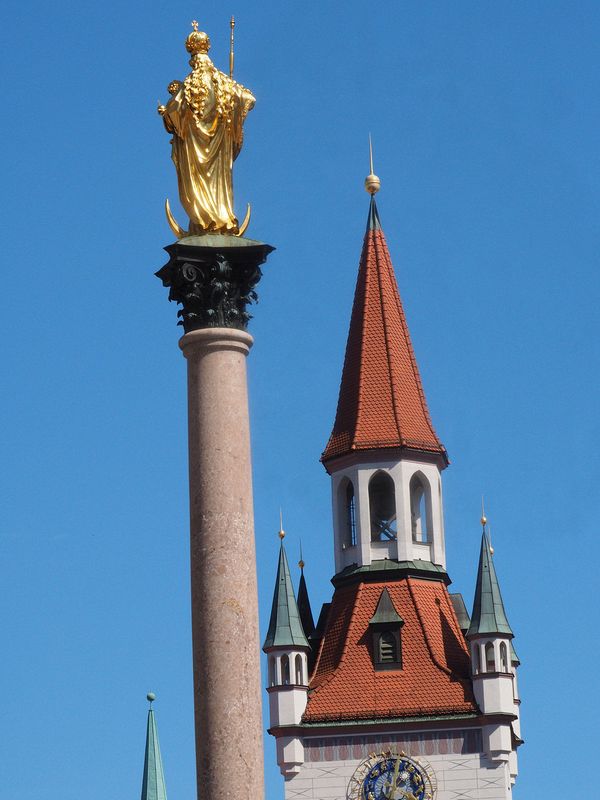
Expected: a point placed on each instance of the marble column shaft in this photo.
(226, 650)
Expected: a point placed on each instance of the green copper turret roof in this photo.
(385, 613)
(285, 628)
(153, 782)
(488, 609)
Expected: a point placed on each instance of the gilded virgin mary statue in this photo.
(206, 115)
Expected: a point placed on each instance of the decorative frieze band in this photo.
(429, 743)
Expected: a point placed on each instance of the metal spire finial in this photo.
(489, 527)
(372, 182)
(281, 531)
(150, 697)
(301, 562)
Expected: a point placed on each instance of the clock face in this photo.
(391, 776)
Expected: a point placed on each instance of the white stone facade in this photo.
(468, 776)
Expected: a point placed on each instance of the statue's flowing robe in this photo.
(204, 149)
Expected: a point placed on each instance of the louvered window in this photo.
(388, 650)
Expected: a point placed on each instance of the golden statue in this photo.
(206, 115)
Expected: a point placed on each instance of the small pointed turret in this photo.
(489, 637)
(488, 616)
(285, 627)
(306, 617)
(153, 781)
(287, 649)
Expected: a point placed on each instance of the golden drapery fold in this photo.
(206, 115)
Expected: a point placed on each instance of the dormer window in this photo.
(385, 627)
(382, 503)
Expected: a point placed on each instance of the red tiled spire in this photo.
(381, 402)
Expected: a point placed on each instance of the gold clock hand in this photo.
(395, 778)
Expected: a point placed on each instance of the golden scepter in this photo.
(232, 24)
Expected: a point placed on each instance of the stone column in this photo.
(214, 277)
(229, 749)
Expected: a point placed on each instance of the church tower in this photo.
(407, 696)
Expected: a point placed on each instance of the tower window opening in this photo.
(490, 658)
(382, 503)
(476, 658)
(285, 670)
(347, 514)
(272, 671)
(504, 657)
(350, 514)
(299, 678)
(420, 509)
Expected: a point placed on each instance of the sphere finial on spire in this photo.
(150, 697)
(372, 182)
(484, 520)
(281, 533)
(301, 562)
(483, 516)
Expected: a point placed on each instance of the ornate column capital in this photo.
(214, 277)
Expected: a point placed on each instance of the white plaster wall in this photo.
(468, 777)
(286, 705)
(494, 692)
(290, 755)
(404, 549)
(497, 741)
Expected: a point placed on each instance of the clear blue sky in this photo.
(485, 121)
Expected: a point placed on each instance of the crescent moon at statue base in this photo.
(180, 232)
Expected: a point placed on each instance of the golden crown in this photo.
(197, 41)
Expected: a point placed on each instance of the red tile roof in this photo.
(435, 674)
(381, 402)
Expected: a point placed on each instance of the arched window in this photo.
(347, 513)
(388, 648)
(272, 671)
(490, 658)
(299, 679)
(285, 670)
(350, 514)
(382, 503)
(504, 657)
(476, 658)
(420, 508)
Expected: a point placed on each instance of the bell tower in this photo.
(383, 455)
(407, 697)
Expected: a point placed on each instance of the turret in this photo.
(489, 636)
(287, 649)
(153, 779)
(383, 455)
